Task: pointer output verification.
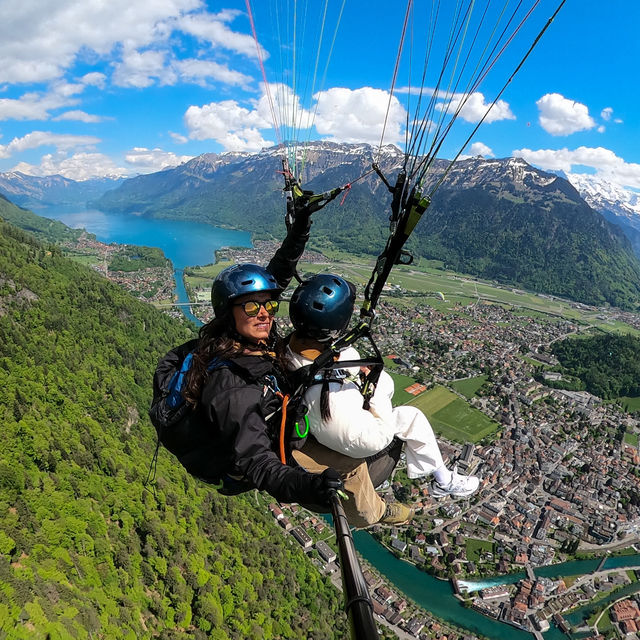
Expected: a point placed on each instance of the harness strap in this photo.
(283, 424)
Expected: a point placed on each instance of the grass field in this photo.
(424, 280)
(203, 276)
(630, 404)
(631, 438)
(469, 386)
(452, 417)
(401, 382)
(476, 548)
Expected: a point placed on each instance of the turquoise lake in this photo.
(191, 243)
(184, 243)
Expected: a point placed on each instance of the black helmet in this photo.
(238, 280)
(321, 307)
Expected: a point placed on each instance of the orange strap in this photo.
(283, 422)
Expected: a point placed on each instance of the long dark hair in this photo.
(325, 407)
(219, 339)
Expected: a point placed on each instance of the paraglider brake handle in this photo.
(376, 168)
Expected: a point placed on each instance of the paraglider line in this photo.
(395, 72)
(264, 73)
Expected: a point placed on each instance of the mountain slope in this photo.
(43, 191)
(505, 220)
(498, 219)
(619, 206)
(85, 550)
(43, 228)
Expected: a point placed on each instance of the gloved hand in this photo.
(301, 223)
(326, 484)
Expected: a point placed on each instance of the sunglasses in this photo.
(252, 307)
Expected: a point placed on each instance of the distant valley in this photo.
(500, 220)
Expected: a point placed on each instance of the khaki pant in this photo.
(364, 506)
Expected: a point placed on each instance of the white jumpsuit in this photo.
(358, 432)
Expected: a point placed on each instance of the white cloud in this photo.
(142, 69)
(37, 139)
(178, 137)
(38, 45)
(560, 116)
(341, 115)
(78, 116)
(83, 165)
(475, 107)
(199, 71)
(30, 106)
(95, 79)
(481, 149)
(606, 113)
(38, 105)
(212, 29)
(80, 166)
(135, 37)
(149, 160)
(606, 163)
(235, 127)
(288, 111)
(357, 115)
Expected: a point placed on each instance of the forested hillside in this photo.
(42, 228)
(608, 365)
(85, 550)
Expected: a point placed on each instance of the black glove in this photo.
(325, 485)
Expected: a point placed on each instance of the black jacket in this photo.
(232, 431)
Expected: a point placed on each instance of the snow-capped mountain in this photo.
(499, 219)
(603, 195)
(617, 204)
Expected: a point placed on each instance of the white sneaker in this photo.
(459, 487)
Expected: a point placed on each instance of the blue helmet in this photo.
(238, 280)
(321, 307)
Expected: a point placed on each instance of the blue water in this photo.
(434, 595)
(437, 596)
(184, 243)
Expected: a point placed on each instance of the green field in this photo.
(198, 277)
(476, 548)
(630, 404)
(452, 417)
(401, 382)
(631, 438)
(469, 386)
(422, 281)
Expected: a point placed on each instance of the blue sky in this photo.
(91, 88)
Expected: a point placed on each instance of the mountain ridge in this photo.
(499, 219)
(41, 191)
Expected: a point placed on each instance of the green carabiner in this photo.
(306, 427)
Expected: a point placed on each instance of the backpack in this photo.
(172, 407)
(179, 426)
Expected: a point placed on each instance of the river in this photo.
(191, 243)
